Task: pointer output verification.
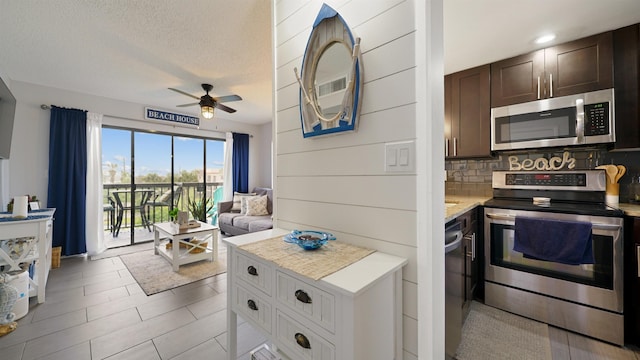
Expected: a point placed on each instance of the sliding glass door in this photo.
(166, 171)
(116, 173)
(188, 156)
(151, 188)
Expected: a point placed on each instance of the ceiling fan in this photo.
(207, 103)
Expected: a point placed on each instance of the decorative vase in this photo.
(8, 297)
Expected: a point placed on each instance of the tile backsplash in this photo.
(473, 177)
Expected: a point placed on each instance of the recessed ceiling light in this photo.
(545, 38)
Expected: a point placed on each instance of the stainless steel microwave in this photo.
(581, 119)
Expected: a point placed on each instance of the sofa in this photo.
(233, 222)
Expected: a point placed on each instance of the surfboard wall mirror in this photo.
(330, 78)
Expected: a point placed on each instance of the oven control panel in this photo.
(546, 179)
(575, 180)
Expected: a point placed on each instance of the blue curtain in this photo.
(67, 178)
(240, 162)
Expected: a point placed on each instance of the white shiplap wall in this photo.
(338, 183)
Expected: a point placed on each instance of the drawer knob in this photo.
(303, 297)
(252, 271)
(302, 341)
(252, 305)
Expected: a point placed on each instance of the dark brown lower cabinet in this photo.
(631, 280)
(470, 247)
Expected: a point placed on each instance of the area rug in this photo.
(493, 334)
(154, 273)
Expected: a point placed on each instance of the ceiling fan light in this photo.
(207, 112)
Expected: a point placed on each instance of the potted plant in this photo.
(173, 214)
(200, 208)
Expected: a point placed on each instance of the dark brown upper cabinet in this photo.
(467, 108)
(571, 68)
(626, 57)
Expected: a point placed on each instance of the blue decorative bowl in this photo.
(308, 239)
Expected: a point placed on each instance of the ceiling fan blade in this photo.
(184, 93)
(228, 98)
(224, 108)
(185, 105)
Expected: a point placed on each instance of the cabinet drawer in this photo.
(252, 307)
(303, 343)
(317, 305)
(254, 272)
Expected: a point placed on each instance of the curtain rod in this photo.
(47, 107)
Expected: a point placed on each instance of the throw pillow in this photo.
(243, 203)
(237, 200)
(257, 206)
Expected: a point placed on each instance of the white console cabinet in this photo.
(38, 251)
(354, 313)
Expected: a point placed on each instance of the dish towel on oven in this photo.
(566, 242)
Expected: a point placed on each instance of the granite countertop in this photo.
(456, 205)
(629, 209)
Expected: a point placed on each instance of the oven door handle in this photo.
(597, 226)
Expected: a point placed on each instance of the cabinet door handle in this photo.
(446, 147)
(302, 340)
(303, 297)
(470, 239)
(252, 305)
(473, 246)
(455, 146)
(638, 259)
(252, 271)
(550, 85)
(538, 87)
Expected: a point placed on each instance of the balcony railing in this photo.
(144, 210)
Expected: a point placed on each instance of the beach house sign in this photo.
(155, 114)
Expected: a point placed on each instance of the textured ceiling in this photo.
(478, 32)
(134, 50)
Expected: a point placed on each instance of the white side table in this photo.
(189, 251)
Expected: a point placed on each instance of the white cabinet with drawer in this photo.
(354, 313)
(256, 273)
(252, 306)
(307, 300)
(300, 342)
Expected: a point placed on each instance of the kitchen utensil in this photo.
(621, 171)
(612, 171)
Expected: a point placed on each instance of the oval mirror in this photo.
(331, 77)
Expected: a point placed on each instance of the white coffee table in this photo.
(179, 255)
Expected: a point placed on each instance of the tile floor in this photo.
(95, 310)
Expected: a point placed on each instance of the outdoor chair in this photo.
(110, 209)
(144, 196)
(163, 200)
(217, 197)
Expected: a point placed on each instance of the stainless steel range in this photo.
(567, 270)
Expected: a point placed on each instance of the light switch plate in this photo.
(400, 156)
